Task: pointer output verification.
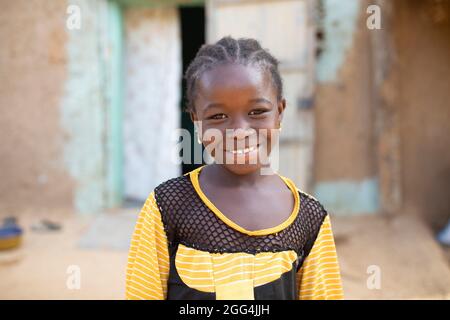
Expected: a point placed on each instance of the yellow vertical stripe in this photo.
(148, 259)
(319, 277)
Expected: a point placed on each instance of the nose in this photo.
(242, 137)
(241, 133)
(240, 129)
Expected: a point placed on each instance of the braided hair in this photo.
(229, 50)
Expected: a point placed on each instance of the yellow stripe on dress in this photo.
(147, 269)
(204, 271)
(319, 277)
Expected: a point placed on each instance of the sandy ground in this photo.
(410, 263)
(41, 268)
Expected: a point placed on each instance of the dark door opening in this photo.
(192, 22)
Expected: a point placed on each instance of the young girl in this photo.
(224, 230)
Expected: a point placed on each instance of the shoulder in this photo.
(174, 198)
(310, 200)
(172, 189)
(311, 210)
(176, 192)
(313, 217)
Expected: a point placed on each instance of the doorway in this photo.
(159, 44)
(192, 23)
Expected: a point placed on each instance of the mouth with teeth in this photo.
(243, 151)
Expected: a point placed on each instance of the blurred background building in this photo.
(91, 93)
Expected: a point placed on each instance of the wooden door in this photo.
(286, 28)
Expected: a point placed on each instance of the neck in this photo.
(228, 178)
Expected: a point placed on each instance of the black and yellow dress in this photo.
(183, 247)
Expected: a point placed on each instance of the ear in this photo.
(281, 107)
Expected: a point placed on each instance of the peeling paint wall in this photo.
(53, 105)
(349, 196)
(339, 23)
(55, 122)
(60, 91)
(382, 112)
(83, 106)
(151, 106)
(33, 70)
(345, 160)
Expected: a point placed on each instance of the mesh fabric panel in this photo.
(188, 220)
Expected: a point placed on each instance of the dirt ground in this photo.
(412, 265)
(40, 269)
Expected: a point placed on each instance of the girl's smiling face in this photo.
(238, 101)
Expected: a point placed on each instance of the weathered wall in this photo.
(32, 73)
(53, 91)
(345, 164)
(84, 105)
(422, 68)
(382, 111)
(151, 107)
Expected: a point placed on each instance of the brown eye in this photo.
(257, 112)
(218, 116)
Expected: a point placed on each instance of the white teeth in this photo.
(242, 151)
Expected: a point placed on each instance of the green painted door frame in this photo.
(115, 92)
(114, 97)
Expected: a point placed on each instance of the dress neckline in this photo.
(194, 176)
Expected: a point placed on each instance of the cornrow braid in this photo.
(229, 50)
